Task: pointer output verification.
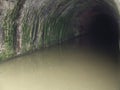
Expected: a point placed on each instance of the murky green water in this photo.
(69, 66)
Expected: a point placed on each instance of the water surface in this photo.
(70, 66)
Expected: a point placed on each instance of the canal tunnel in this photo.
(59, 44)
(29, 25)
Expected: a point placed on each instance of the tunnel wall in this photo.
(28, 25)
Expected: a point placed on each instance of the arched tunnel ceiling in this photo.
(32, 24)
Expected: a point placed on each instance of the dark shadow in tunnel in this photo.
(103, 33)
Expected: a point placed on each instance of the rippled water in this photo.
(70, 66)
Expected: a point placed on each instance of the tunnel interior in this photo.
(32, 25)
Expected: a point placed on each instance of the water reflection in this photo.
(70, 66)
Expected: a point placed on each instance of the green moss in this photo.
(40, 27)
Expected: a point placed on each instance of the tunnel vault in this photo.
(33, 24)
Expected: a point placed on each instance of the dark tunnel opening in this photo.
(103, 32)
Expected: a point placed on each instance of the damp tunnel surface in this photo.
(29, 25)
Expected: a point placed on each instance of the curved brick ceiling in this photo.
(32, 24)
